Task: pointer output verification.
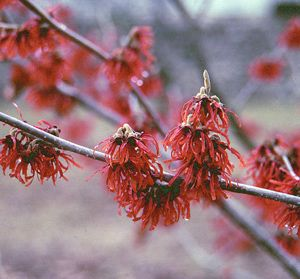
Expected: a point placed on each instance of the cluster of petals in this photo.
(134, 175)
(266, 69)
(5, 3)
(25, 158)
(131, 162)
(132, 59)
(39, 77)
(290, 37)
(268, 170)
(200, 146)
(27, 39)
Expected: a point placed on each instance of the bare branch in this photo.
(262, 238)
(90, 104)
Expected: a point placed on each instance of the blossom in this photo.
(266, 69)
(290, 37)
(158, 202)
(131, 161)
(288, 217)
(131, 60)
(123, 65)
(50, 97)
(25, 157)
(200, 145)
(31, 36)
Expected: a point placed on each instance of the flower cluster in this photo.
(134, 174)
(132, 59)
(266, 69)
(268, 169)
(200, 144)
(27, 39)
(40, 77)
(290, 37)
(25, 157)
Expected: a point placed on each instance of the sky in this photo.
(230, 7)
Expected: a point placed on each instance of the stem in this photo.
(85, 151)
(289, 167)
(90, 104)
(262, 238)
(143, 102)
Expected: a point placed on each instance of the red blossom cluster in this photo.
(40, 78)
(33, 35)
(133, 59)
(290, 37)
(134, 174)
(200, 144)
(25, 157)
(266, 69)
(268, 169)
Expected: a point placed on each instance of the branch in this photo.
(98, 52)
(66, 32)
(70, 146)
(143, 102)
(90, 104)
(262, 238)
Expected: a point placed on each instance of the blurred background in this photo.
(73, 229)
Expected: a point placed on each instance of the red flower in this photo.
(26, 157)
(50, 97)
(266, 69)
(133, 173)
(207, 111)
(198, 145)
(124, 64)
(141, 40)
(151, 85)
(158, 202)
(4, 3)
(288, 217)
(290, 37)
(131, 60)
(131, 161)
(30, 37)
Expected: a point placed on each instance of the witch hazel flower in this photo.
(134, 175)
(25, 157)
(132, 59)
(131, 161)
(200, 145)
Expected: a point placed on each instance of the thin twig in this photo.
(85, 151)
(90, 104)
(263, 238)
(143, 102)
(289, 167)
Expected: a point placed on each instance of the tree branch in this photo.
(262, 238)
(70, 146)
(90, 104)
